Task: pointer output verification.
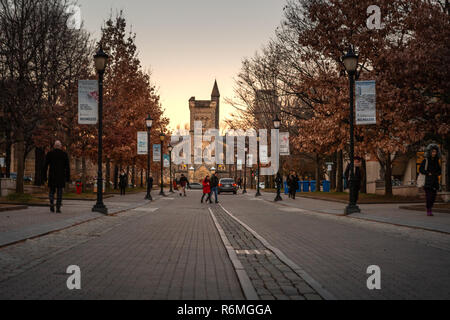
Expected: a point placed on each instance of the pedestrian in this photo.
(207, 190)
(431, 169)
(184, 182)
(359, 176)
(293, 184)
(215, 186)
(150, 182)
(240, 183)
(123, 182)
(57, 167)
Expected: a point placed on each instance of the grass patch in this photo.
(19, 197)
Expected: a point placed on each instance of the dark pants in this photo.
(122, 191)
(293, 192)
(214, 191)
(431, 198)
(207, 199)
(59, 194)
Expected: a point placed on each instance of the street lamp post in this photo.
(170, 148)
(350, 61)
(162, 136)
(245, 171)
(101, 59)
(277, 125)
(149, 123)
(258, 187)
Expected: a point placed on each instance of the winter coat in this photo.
(123, 181)
(214, 182)
(206, 187)
(293, 182)
(432, 174)
(184, 182)
(359, 175)
(58, 167)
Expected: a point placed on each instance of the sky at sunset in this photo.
(189, 43)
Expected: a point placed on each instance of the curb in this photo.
(111, 214)
(13, 208)
(244, 280)
(297, 269)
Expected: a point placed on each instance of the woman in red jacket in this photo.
(207, 189)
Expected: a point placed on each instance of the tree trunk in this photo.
(364, 182)
(20, 163)
(83, 173)
(108, 174)
(340, 172)
(133, 175)
(8, 155)
(116, 176)
(317, 173)
(39, 161)
(128, 175)
(447, 167)
(333, 173)
(142, 178)
(388, 176)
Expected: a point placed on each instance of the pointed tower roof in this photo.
(215, 93)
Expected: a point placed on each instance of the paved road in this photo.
(172, 249)
(167, 250)
(336, 251)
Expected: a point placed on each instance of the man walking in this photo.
(183, 184)
(215, 186)
(57, 173)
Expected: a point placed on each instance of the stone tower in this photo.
(206, 111)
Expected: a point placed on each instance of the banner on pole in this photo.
(87, 101)
(366, 110)
(166, 161)
(156, 153)
(239, 164)
(284, 144)
(249, 161)
(142, 143)
(264, 154)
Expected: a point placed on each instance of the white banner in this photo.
(366, 110)
(284, 144)
(87, 101)
(239, 165)
(166, 158)
(264, 154)
(142, 143)
(157, 153)
(249, 160)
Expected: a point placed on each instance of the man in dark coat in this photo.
(431, 168)
(57, 173)
(359, 176)
(215, 186)
(293, 184)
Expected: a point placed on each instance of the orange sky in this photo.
(188, 44)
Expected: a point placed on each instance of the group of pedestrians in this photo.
(57, 172)
(181, 185)
(210, 186)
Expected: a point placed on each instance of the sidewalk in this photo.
(385, 213)
(19, 225)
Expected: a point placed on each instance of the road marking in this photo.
(297, 269)
(244, 280)
(290, 209)
(146, 209)
(254, 252)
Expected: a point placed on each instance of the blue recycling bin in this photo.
(305, 186)
(299, 187)
(326, 186)
(313, 185)
(286, 189)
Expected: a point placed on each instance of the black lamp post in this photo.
(101, 58)
(162, 136)
(277, 125)
(170, 148)
(350, 61)
(148, 123)
(258, 187)
(245, 171)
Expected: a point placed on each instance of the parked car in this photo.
(227, 185)
(195, 186)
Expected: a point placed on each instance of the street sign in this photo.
(366, 111)
(142, 143)
(157, 153)
(87, 101)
